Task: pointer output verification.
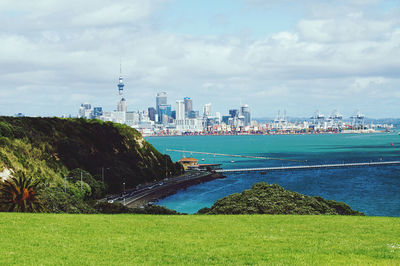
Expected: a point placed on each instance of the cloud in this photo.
(56, 54)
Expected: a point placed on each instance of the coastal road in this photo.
(139, 196)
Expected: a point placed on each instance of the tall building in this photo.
(225, 119)
(234, 113)
(180, 110)
(164, 113)
(121, 106)
(207, 110)
(193, 114)
(152, 113)
(188, 105)
(245, 112)
(161, 99)
(97, 112)
(85, 111)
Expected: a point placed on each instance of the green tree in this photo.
(19, 194)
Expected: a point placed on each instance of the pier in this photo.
(236, 155)
(317, 166)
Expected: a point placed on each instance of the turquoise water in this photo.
(372, 190)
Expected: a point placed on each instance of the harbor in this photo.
(354, 168)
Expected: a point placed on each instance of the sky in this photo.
(298, 56)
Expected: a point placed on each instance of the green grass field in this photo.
(54, 239)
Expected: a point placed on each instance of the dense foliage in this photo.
(65, 144)
(263, 198)
(117, 208)
(70, 158)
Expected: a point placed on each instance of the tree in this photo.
(19, 194)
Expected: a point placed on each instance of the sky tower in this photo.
(121, 106)
(120, 82)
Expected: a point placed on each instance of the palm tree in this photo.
(19, 194)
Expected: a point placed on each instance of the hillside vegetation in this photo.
(59, 151)
(274, 199)
(65, 239)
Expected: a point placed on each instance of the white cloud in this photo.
(58, 53)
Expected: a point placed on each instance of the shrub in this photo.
(55, 200)
(19, 194)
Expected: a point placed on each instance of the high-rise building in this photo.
(180, 110)
(97, 112)
(234, 113)
(164, 111)
(207, 110)
(121, 107)
(245, 112)
(152, 113)
(85, 111)
(225, 119)
(161, 99)
(193, 114)
(188, 105)
(218, 117)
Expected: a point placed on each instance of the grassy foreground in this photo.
(54, 239)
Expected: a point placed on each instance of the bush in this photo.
(111, 208)
(116, 208)
(155, 209)
(6, 130)
(274, 199)
(54, 199)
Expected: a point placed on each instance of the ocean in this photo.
(374, 190)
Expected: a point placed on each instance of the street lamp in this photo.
(124, 192)
(102, 172)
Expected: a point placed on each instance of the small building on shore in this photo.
(188, 162)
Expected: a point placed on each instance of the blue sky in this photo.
(204, 18)
(297, 56)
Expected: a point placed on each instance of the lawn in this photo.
(54, 239)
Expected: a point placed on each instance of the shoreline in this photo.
(367, 131)
(171, 188)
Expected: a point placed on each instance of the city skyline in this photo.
(297, 57)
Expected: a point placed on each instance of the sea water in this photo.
(374, 190)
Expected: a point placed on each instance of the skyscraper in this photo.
(234, 113)
(180, 110)
(152, 113)
(161, 99)
(85, 111)
(245, 112)
(207, 110)
(188, 105)
(121, 106)
(164, 113)
(97, 111)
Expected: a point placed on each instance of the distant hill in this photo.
(263, 198)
